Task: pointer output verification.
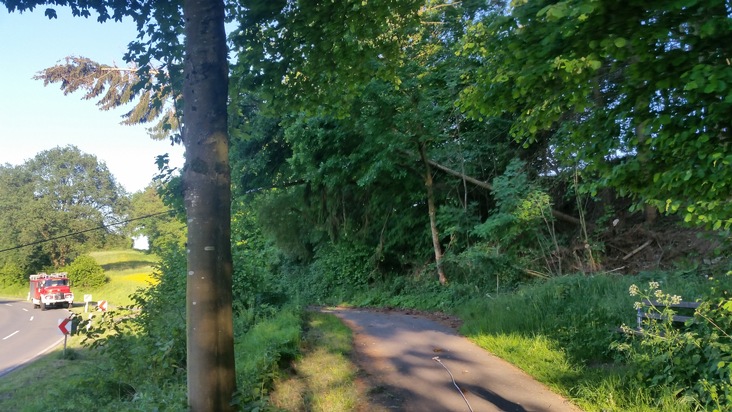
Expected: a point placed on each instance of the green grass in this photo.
(127, 270)
(111, 258)
(323, 378)
(261, 350)
(55, 382)
(89, 380)
(561, 332)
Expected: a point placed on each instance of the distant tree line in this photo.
(63, 203)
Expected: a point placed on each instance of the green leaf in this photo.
(543, 11)
(620, 42)
(691, 85)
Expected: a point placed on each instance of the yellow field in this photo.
(127, 270)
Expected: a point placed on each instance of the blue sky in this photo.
(34, 118)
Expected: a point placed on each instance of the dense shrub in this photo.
(339, 272)
(12, 275)
(84, 271)
(146, 343)
(695, 359)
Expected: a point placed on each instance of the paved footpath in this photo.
(414, 358)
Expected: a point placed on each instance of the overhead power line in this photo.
(84, 231)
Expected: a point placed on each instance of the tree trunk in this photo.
(207, 185)
(650, 212)
(433, 214)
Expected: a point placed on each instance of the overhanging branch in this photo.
(557, 214)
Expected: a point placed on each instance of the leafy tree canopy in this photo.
(56, 202)
(162, 228)
(117, 86)
(316, 51)
(636, 93)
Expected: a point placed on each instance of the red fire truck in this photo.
(50, 290)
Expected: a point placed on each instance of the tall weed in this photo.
(262, 351)
(582, 313)
(145, 342)
(695, 359)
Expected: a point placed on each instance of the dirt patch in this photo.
(452, 322)
(630, 249)
(639, 248)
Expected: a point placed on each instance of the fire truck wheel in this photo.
(43, 306)
(68, 305)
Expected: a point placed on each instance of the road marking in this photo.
(31, 319)
(30, 359)
(11, 334)
(8, 304)
(25, 309)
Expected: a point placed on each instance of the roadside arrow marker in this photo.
(102, 305)
(65, 325)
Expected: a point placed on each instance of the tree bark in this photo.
(433, 214)
(207, 185)
(650, 212)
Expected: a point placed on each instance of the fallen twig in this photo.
(638, 249)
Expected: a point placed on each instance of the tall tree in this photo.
(15, 194)
(207, 186)
(65, 201)
(322, 51)
(206, 178)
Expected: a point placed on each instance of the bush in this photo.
(262, 351)
(146, 343)
(339, 272)
(695, 360)
(84, 271)
(12, 275)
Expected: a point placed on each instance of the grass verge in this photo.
(53, 382)
(562, 333)
(323, 378)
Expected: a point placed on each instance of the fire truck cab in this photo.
(50, 290)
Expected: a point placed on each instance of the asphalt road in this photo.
(26, 333)
(415, 359)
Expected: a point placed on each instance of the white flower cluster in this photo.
(653, 289)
